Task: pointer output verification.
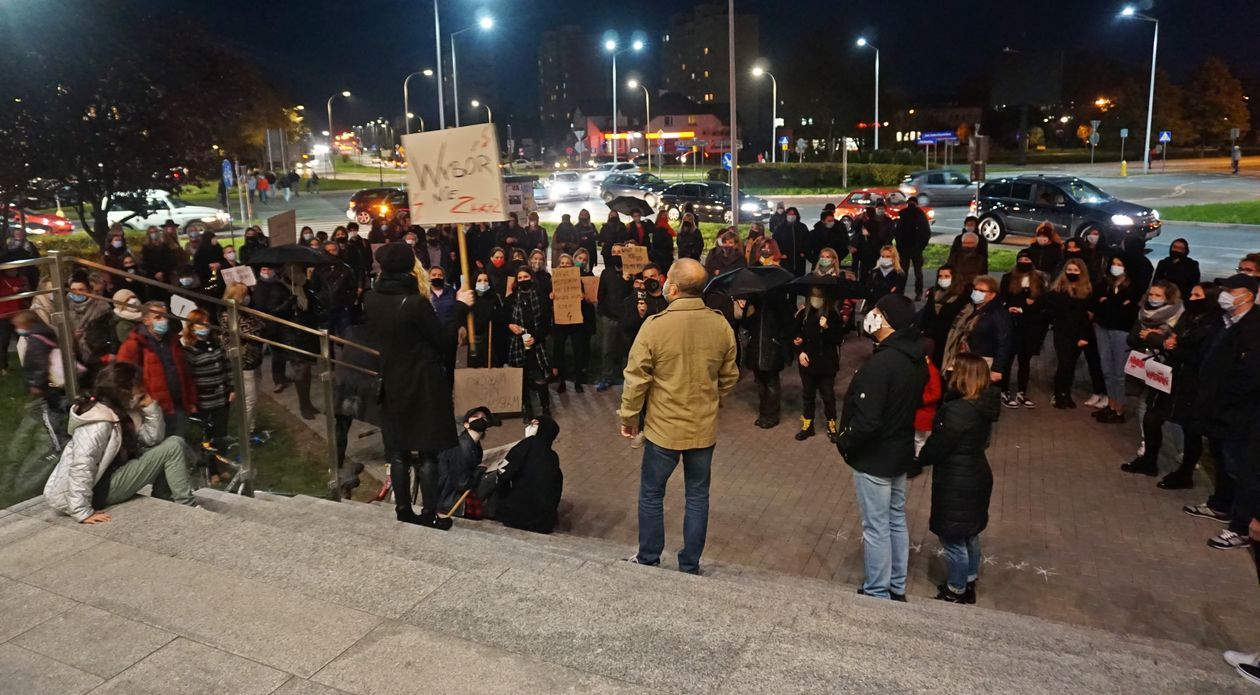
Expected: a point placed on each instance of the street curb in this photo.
(1216, 225)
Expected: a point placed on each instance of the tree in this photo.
(1217, 103)
(1170, 109)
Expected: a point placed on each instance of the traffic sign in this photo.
(1165, 136)
(228, 178)
(1093, 138)
(1234, 133)
(726, 161)
(783, 140)
(1094, 124)
(1124, 132)
(800, 145)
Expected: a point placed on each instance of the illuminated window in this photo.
(693, 75)
(692, 120)
(666, 40)
(684, 66)
(706, 73)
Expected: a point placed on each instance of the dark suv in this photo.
(371, 204)
(1016, 205)
(711, 202)
(635, 184)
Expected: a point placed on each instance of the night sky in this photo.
(930, 50)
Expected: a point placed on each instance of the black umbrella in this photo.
(743, 282)
(839, 287)
(296, 254)
(628, 205)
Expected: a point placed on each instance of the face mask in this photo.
(202, 332)
(536, 265)
(1226, 301)
(1092, 239)
(186, 282)
(266, 277)
(160, 327)
(817, 302)
(22, 332)
(872, 323)
(229, 257)
(410, 242)
(438, 283)
(116, 243)
(129, 269)
(824, 263)
(531, 430)
(483, 287)
(978, 296)
(479, 425)
(1024, 267)
(970, 228)
(829, 224)
(525, 285)
(154, 236)
(1196, 306)
(885, 262)
(1155, 303)
(791, 218)
(1117, 270)
(1176, 255)
(1072, 277)
(306, 236)
(1043, 241)
(496, 262)
(76, 298)
(651, 285)
(581, 263)
(944, 283)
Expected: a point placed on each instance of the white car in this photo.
(163, 206)
(597, 175)
(568, 185)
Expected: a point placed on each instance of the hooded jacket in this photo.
(96, 439)
(794, 242)
(528, 493)
(877, 424)
(141, 349)
(962, 481)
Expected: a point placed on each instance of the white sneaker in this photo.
(1236, 659)
(1142, 449)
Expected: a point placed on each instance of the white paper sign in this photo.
(1135, 364)
(180, 306)
(453, 176)
(1159, 376)
(241, 274)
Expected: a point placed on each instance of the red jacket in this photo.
(932, 392)
(138, 349)
(11, 285)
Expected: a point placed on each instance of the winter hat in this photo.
(396, 258)
(897, 309)
(127, 305)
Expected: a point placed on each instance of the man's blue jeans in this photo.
(962, 561)
(658, 464)
(885, 543)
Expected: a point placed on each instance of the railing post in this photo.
(330, 417)
(65, 331)
(242, 402)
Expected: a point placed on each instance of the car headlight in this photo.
(1155, 214)
(223, 216)
(584, 187)
(748, 207)
(931, 214)
(1122, 220)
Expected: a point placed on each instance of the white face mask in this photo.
(872, 323)
(1155, 302)
(885, 262)
(531, 430)
(817, 302)
(1117, 270)
(1226, 301)
(791, 218)
(483, 287)
(977, 296)
(944, 283)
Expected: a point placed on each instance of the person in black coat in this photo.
(489, 349)
(944, 302)
(564, 239)
(913, 233)
(817, 336)
(577, 336)
(1179, 268)
(984, 328)
(1023, 294)
(615, 285)
(874, 231)
(962, 481)
(1067, 307)
(527, 496)
(1185, 351)
(639, 231)
(887, 277)
(416, 389)
(587, 235)
(762, 333)
(1046, 250)
(612, 233)
(829, 234)
(690, 240)
(876, 440)
(793, 239)
(457, 466)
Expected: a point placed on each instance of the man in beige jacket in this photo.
(681, 364)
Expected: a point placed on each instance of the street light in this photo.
(647, 124)
(862, 43)
(331, 166)
(485, 24)
(758, 71)
(406, 100)
(478, 104)
(610, 45)
(1129, 12)
(411, 116)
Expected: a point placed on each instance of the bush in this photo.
(816, 175)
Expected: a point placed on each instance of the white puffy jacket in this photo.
(95, 438)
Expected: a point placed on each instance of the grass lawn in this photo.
(1243, 212)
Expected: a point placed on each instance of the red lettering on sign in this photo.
(1157, 377)
(467, 205)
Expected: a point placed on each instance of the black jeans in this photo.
(813, 385)
(6, 335)
(915, 259)
(426, 464)
(581, 342)
(1158, 406)
(1066, 354)
(768, 395)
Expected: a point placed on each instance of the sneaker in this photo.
(602, 385)
(1228, 540)
(636, 442)
(1237, 659)
(1097, 400)
(634, 560)
(948, 595)
(1064, 402)
(1205, 512)
(1249, 671)
(1111, 417)
(1010, 401)
(1024, 400)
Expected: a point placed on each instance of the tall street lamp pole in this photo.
(332, 133)
(437, 53)
(864, 42)
(483, 23)
(774, 108)
(1131, 13)
(647, 125)
(478, 104)
(610, 45)
(730, 52)
(407, 102)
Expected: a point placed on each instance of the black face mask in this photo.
(525, 285)
(480, 425)
(1176, 255)
(616, 262)
(1072, 277)
(1196, 306)
(438, 283)
(651, 284)
(1024, 267)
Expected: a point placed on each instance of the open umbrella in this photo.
(296, 254)
(743, 282)
(838, 287)
(627, 205)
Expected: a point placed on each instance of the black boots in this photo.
(807, 429)
(1141, 465)
(305, 407)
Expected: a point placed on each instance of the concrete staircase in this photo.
(303, 595)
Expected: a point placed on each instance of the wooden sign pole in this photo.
(466, 283)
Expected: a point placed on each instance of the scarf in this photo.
(527, 313)
(1159, 318)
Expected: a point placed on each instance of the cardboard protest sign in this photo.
(241, 274)
(282, 228)
(633, 258)
(590, 289)
(566, 286)
(498, 389)
(453, 176)
(180, 306)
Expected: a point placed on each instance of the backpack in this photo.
(56, 365)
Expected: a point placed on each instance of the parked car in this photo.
(38, 223)
(154, 207)
(633, 184)
(372, 204)
(543, 199)
(567, 185)
(939, 187)
(597, 175)
(853, 207)
(1016, 205)
(711, 202)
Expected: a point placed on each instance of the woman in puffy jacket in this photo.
(117, 446)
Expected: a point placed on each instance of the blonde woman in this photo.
(886, 277)
(1067, 305)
